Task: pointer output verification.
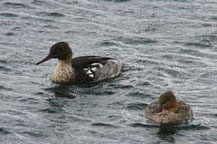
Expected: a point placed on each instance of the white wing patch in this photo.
(85, 69)
(93, 69)
(90, 71)
(91, 75)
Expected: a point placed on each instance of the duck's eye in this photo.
(165, 103)
(55, 55)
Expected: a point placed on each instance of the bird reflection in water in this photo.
(166, 133)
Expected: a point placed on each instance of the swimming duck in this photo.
(80, 69)
(166, 109)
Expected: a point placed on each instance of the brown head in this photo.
(60, 50)
(167, 101)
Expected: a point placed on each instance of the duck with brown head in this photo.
(166, 109)
(60, 50)
(81, 69)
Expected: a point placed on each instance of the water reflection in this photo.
(166, 133)
(56, 102)
(65, 91)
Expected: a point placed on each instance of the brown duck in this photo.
(166, 109)
(80, 69)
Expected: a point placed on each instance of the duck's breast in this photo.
(63, 73)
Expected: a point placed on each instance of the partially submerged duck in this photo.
(80, 69)
(166, 109)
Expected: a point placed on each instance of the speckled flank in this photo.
(184, 113)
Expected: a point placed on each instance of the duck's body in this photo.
(163, 113)
(86, 69)
(83, 69)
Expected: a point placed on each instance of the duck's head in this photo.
(60, 50)
(167, 101)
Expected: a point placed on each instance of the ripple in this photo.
(136, 41)
(136, 106)
(55, 106)
(116, 104)
(214, 18)
(34, 134)
(46, 20)
(195, 44)
(38, 2)
(15, 5)
(9, 14)
(62, 91)
(3, 61)
(105, 92)
(143, 125)
(108, 43)
(10, 34)
(206, 25)
(117, 0)
(137, 94)
(126, 86)
(4, 88)
(165, 127)
(191, 52)
(167, 71)
(104, 125)
(5, 69)
(55, 14)
(208, 37)
(51, 26)
(185, 127)
(29, 100)
(181, 0)
(146, 61)
(51, 14)
(51, 110)
(144, 83)
(4, 131)
(210, 74)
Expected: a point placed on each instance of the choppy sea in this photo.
(164, 45)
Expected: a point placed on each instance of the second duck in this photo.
(166, 109)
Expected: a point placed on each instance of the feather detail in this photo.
(63, 73)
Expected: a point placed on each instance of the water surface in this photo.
(164, 44)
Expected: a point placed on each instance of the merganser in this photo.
(166, 109)
(83, 69)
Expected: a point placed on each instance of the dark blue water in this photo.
(164, 44)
